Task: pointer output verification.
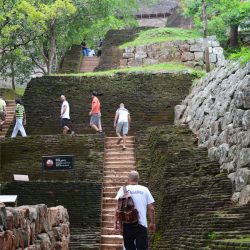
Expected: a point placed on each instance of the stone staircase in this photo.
(10, 108)
(89, 64)
(117, 165)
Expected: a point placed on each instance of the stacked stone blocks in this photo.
(189, 52)
(34, 228)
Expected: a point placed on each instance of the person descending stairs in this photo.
(117, 165)
(10, 110)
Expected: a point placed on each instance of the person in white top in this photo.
(121, 123)
(135, 234)
(65, 118)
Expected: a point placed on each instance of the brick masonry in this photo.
(149, 97)
(79, 190)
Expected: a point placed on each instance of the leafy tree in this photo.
(223, 15)
(35, 34)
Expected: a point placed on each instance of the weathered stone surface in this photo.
(25, 235)
(181, 51)
(196, 47)
(3, 217)
(198, 56)
(218, 50)
(244, 195)
(128, 55)
(218, 111)
(187, 56)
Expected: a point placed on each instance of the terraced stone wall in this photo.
(149, 97)
(193, 206)
(78, 190)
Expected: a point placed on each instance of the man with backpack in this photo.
(133, 202)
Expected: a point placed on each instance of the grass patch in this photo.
(162, 35)
(155, 68)
(10, 94)
(241, 240)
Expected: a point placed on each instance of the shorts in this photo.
(122, 128)
(95, 119)
(2, 115)
(65, 122)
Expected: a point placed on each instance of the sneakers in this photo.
(72, 133)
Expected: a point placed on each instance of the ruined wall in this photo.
(78, 190)
(149, 97)
(218, 112)
(34, 227)
(190, 52)
(193, 206)
(24, 156)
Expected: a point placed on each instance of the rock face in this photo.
(34, 227)
(189, 52)
(218, 112)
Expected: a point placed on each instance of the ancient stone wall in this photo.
(79, 190)
(34, 227)
(218, 112)
(192, 198)
(190, 52)
(149, 97)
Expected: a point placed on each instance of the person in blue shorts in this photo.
(121, 124)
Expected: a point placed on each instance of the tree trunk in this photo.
(52, 51)
(234, 34)
(205, 34)
(13, 76)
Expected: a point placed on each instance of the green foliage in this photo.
(9, 94)
(157, 237)
(158, 35)
(162, 67)
(212, 236)
(243, 55)
(35, 34)
(222, 14)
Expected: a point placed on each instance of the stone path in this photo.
(117, 165)
(89, 64)
(9, 118)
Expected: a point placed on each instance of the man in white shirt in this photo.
(65, 118)
(135, 234)
(121, 123)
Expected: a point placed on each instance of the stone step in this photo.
(108, 206)
(108, 231)
(110, 189)
(113, 173)
(119, 147)
(111, 239)
(111, 247)
(108, 224)
(108, 217)
(119, 163)
(119, 158)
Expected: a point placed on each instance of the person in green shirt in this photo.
(20, 119)
(2, 112)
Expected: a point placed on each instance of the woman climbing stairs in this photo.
(117, 165)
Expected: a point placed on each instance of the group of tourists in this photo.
(133, 200)
(121, 122)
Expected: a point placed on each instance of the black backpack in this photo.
(126, 211)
